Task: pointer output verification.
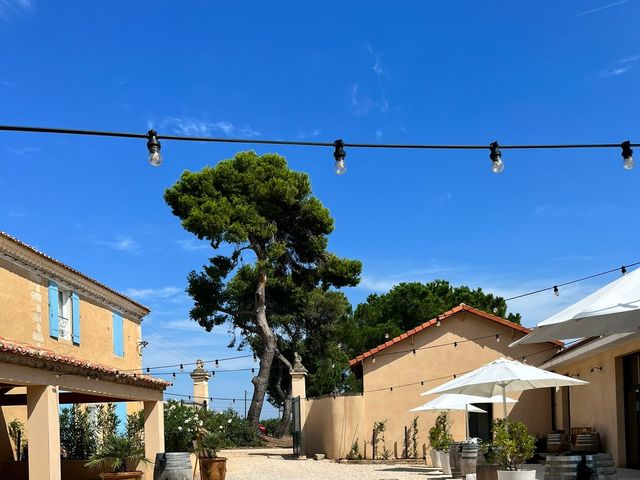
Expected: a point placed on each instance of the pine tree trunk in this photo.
(261, 380)
(285, 422)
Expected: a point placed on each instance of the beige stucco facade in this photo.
(600, 404)
(420, 361)
(97, 360)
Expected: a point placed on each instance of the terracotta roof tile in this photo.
(443, 316)
(22, 349)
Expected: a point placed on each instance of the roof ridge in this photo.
(447, 314)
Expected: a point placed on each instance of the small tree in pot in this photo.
(512, 446)
(115, 455)
(212, 467)
(440, 439)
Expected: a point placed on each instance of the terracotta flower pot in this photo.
(213, 468)
(137, 475)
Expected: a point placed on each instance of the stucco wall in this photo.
(436, 363)
(399, 367)
(600, 404)
(333, 424)
(24, 317)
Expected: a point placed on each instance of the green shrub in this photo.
(16, 433)
(77, 435)
(512, 444)
(354, 453)
(116, 454)
(183, 423)
(439, 435)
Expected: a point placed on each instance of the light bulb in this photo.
(153, 145)
(339, 155)
(155, 158)
(627, 155)
(497, 165)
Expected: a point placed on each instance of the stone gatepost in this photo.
(200, 378)
(299, 389)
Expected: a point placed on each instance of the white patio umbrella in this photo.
(615, 308)
(501, 376)
(455, 401)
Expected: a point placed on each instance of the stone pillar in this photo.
(200, 383)
(43, 432)
(299, 389)
(153, 434)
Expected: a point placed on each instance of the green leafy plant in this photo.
(135, 427)
(77, 433)
(378, 439)
(116, 453)
(413, 445)
(439, 435)
(354, 453)
(16, 433)
(512, 444)
(210, 444)
(106, 422)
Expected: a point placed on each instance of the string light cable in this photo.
(495, 154)
(389, 387)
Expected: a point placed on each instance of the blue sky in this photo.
(409, 72)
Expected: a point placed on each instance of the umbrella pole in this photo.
(504, 400)
(466, 420)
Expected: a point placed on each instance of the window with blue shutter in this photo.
(118, 335)
(75, 318)
(53, 309)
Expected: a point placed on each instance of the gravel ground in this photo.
(279, 464)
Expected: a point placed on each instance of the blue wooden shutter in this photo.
(53, 309)
(75, 318)
(118, 336)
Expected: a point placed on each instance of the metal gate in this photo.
(297, 431)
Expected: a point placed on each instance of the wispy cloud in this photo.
(547, 211)
(621, 66)
(23, 151)
(153, 293)
(122, 244)
(377, 59)
(362, 103)
(10, 8)
(192, 245)
(313, 133)
(599, 9)
(615, 72)
(17, 212)
(378, 134)
(185, 125)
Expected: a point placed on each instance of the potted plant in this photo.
(433, 441)
(212, 467)
(512, 446)
(443, 441)
(115, 456)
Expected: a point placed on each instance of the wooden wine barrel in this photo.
(468, 459)
(587, 442)
(565, 467)
(556, 443)
(172, 466)
(454, 455)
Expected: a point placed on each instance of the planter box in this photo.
(516, 475)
